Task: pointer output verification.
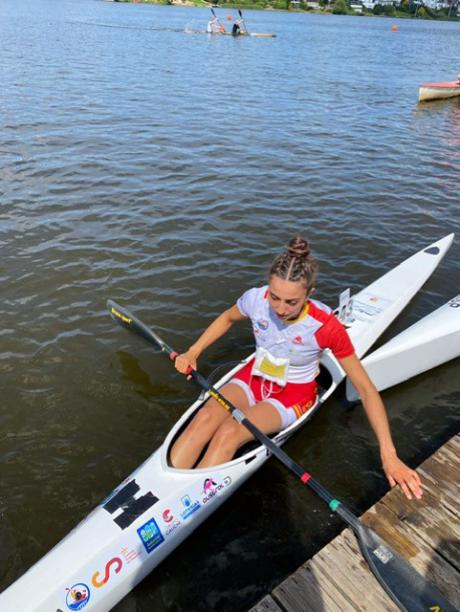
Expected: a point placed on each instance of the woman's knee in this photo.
(208, 416)
(229, 436)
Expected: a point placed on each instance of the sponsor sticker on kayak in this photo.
(129, 554)
(189, 507)
(150, 535)
(112, 567)
(212, 487)
(77, 596)
(368, 305)
(172, 523)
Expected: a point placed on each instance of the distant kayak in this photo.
(438, 91)
(255, 34)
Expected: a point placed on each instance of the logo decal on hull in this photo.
(77, 596)
(129, 555)
(189, 506)
(210, 488)
(171, 522)
(97, 582)
(150, 535)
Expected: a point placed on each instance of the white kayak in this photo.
(438, 91)
(157, 506)
(242, 34)
(430, 342)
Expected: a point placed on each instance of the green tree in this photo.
(340, 7)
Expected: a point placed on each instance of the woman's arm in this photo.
(217, 329)
(396, 471)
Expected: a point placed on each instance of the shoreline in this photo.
(332, 9)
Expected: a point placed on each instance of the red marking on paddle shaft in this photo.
(305, 477)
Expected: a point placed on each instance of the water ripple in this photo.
(166, 170)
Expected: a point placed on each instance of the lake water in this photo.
(165, 169)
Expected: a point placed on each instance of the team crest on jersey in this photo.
(262, 324)
(298, 340)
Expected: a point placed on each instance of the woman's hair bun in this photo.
(299, 247)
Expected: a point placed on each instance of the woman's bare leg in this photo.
(188, 447)
(230, 435)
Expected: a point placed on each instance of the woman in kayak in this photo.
(215, 27)
(239, 28)
(278, 386)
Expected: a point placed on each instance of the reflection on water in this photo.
(165, 170)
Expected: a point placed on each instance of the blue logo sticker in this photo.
(150, 535)
(77, 596)
(189, 506)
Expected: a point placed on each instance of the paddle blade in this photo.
(406, 587)
(127, 320)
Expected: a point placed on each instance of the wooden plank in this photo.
(430, 518)
(334, 580)
(440, 475)
(267, 604)
(425, 532)
(428, 558)
(453, 444)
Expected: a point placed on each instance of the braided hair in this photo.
(296, 264)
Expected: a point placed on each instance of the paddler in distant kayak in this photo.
(239, 28)
(279, 385)
(215, 27)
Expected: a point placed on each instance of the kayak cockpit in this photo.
(250, 450)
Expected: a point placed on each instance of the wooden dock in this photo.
(426, 533)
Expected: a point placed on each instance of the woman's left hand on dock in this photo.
(398, 472)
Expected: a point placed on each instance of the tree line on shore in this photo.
(406, 8)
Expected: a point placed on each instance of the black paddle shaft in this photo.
(128, 320)
(403, 584)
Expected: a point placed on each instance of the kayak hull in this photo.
(430, 342)
(112, 549)
(157, 507)
(438, 91)
(246, 35)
